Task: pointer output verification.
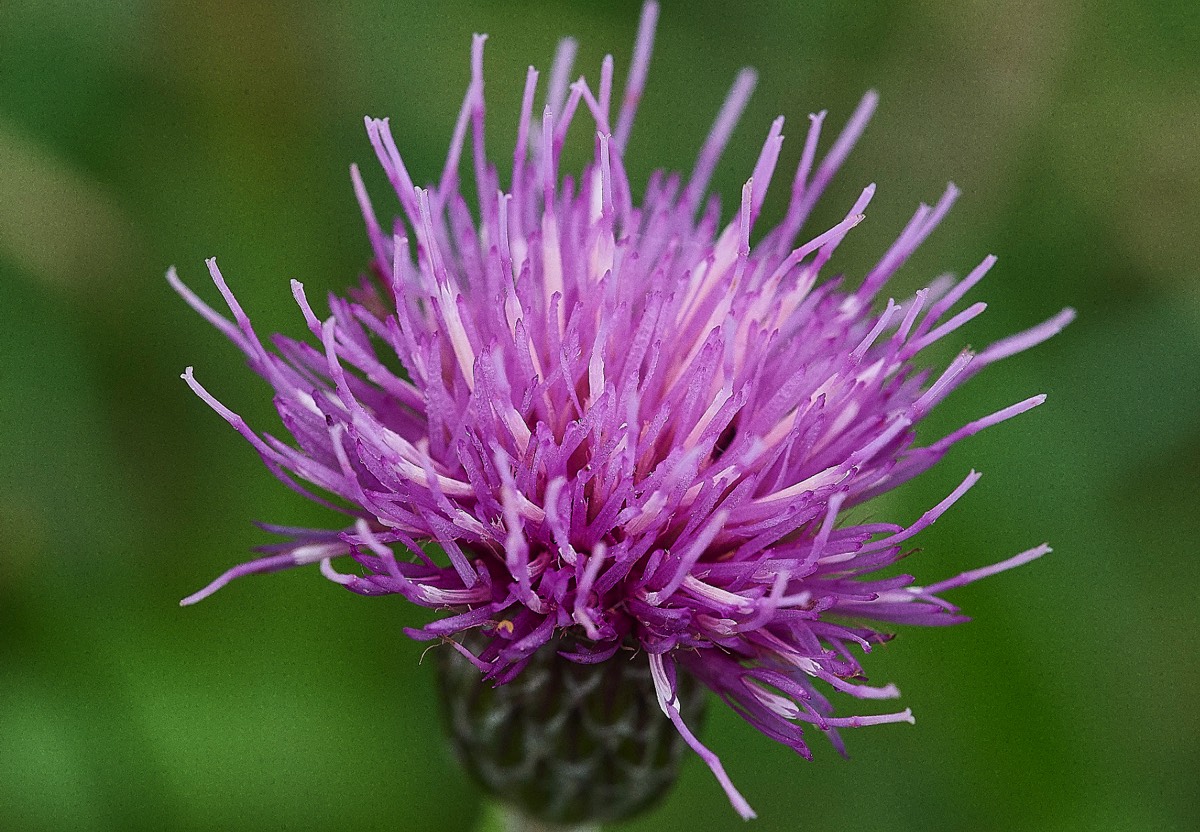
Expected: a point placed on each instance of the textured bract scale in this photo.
(620, 420)
(564, 742)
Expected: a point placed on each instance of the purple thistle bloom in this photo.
(621, 418)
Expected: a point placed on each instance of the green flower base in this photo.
(566, 745)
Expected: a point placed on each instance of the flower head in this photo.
(619, 417)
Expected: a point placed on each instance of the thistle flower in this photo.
(621, 420)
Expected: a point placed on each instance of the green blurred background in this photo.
(135, 135)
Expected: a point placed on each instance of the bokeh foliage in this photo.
(140, 133)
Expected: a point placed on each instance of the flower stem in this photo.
(497, 818)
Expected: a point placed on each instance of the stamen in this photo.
(837, 155)
(521, 151)
(638, 69)
(764, 168)
(987, 571)
(374, 232)
(668, 700)
(718, 137)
